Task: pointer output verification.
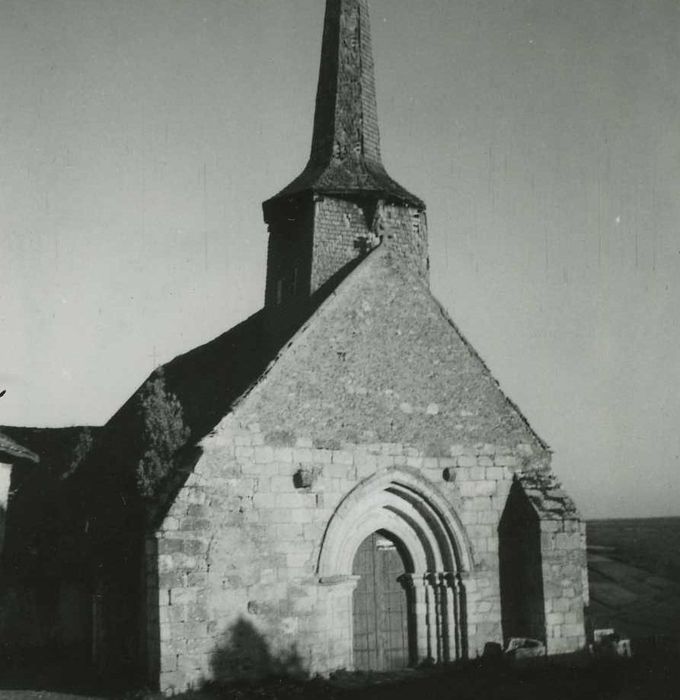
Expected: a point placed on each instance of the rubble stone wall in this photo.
(377, 385)
(238, 590)
(343, 232)
(340, 231)
(404, 230)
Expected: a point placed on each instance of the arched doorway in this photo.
(426, 542)
(382, 605)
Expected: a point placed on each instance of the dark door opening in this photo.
(521, 569)
(382, 607)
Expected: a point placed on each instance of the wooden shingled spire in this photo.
(345, 154)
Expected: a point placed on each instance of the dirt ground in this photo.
(656, 678)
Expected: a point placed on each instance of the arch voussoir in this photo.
(404, 504)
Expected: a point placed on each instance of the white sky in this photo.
(138, 138)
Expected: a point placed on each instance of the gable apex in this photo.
(382, 354)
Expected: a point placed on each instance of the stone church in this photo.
(336, 483)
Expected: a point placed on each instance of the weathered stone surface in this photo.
(262, 574)
(350, 405)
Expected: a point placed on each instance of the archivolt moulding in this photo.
(409, 506)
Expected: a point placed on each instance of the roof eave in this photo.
(12, 452)
(288, 197)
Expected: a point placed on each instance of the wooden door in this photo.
(380, 607)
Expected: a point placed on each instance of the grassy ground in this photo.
(634, 574)
(652, 544)
(631, 679)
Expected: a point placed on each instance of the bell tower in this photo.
(344, 203)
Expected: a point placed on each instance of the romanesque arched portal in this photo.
(402, 507)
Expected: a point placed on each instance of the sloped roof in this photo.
(208, 379)
(547, 496)
(13, 451)
(374, 359)
(345, 156)
(53, 447)
(43, 536)
(377, 359)
(349, 177)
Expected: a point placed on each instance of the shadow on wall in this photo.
(245, 655)
(521, 569)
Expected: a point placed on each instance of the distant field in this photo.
(634, 573)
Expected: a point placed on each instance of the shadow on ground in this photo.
(577, 677)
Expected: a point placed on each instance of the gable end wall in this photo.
(369, 384)
(240, 546)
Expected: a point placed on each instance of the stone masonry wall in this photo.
(342, 233)
(380, 362)
(377, 380)
(564, 563)
(404, 231)
(238, 551)
(563, 555)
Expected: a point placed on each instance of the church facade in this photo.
(372, 500)
(349, 487)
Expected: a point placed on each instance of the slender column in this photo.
(408, 584)
(438, 604)
(461, 614)
(420, 612)
(449, 588)
(431, 617)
